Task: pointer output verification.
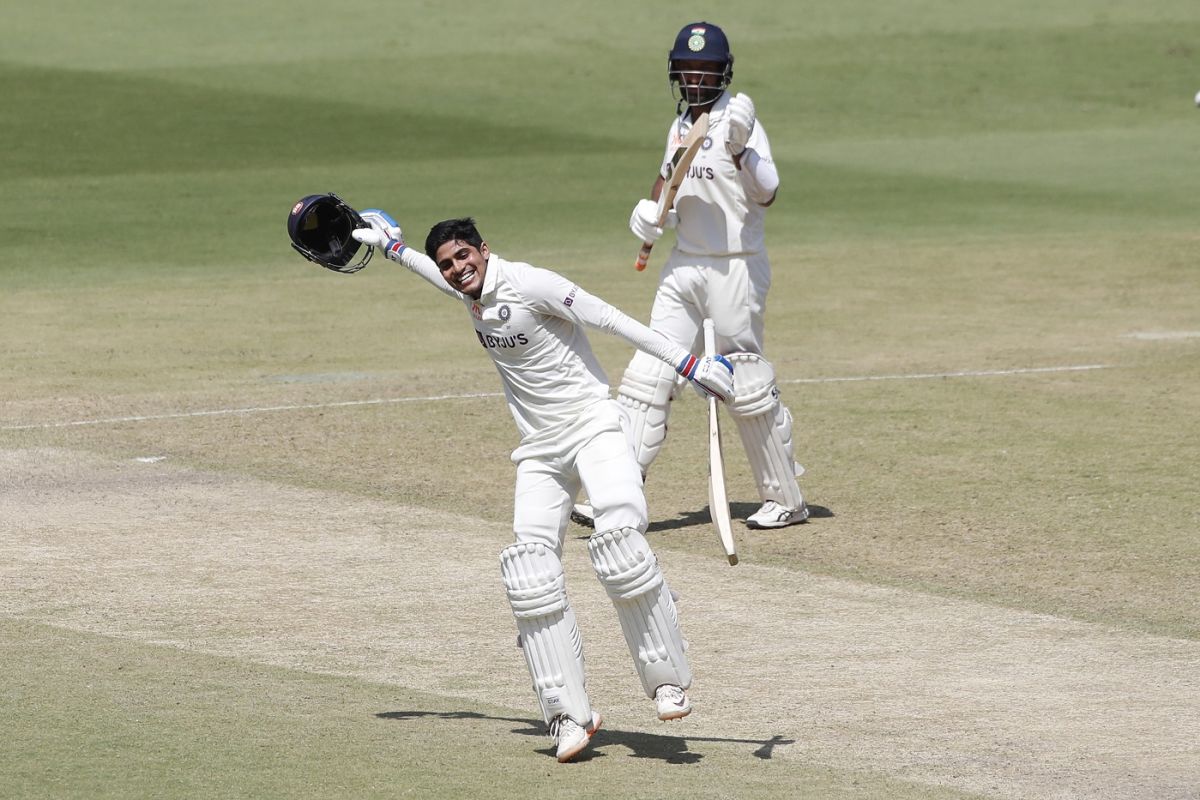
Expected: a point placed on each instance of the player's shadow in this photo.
(669, 749)
(739, 512)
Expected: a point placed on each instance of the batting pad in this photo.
(645, 392)
(765, 426)
(629, 571)
(536, 587)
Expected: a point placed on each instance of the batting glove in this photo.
(382, 222)
(741, 123)
(643, 222)
(712, 375)
(384, 233)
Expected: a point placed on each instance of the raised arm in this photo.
(751, 151)
(386, 236)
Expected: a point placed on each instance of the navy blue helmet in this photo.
(320, 228)
(700, 41)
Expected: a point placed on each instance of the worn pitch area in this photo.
(950, 693)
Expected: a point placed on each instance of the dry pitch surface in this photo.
(833, 672)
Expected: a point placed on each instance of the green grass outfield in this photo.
(985, 318)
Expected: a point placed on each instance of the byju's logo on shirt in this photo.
(501, 342)
(570, 298)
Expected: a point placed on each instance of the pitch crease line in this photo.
(253, 410)
(434, 398)
(968, 374)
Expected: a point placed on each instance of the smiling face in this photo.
(463, 266)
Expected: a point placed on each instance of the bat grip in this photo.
(710, 338)
(643, 256)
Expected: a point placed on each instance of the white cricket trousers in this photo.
(595, 455)
(730, 290)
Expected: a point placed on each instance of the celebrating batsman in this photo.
(530, 321)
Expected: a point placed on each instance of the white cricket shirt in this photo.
(530, 321)
(716, 218)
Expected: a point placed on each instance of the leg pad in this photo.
(536, 587)
(630, 574)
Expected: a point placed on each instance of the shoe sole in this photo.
(758, 526)
(670, 715)
(596, 722)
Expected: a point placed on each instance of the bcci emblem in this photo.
(707, 143)
(505, 313)
(695, 43)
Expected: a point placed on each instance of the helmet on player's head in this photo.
(700, 42)
(320, 227)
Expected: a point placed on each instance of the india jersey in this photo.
(716, 218)
(530, 321)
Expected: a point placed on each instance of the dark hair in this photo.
(452, 230)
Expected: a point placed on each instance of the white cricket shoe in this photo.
(672, 702)
(583, 514)
(572, 737)
(773, 515)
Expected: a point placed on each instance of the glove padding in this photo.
(371, 237)
(384, 232)
(643, 222)
(382, 222)
(741, 123)
(712, 376)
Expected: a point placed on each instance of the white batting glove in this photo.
(643, 222)
(370, 237)
(741, 123)
(712, 375)
(382, 222)
(384, 232)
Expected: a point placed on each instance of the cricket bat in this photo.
(718, 501)
(677, 169)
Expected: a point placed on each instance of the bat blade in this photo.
(718, 500)
(677, 169)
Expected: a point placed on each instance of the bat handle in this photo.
(710, 338)
(643, 256)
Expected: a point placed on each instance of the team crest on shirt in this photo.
(505, 313)
(707, 143)
(476, 311)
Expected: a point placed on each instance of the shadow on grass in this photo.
(739, 512)
(686, 519)
(671, 749)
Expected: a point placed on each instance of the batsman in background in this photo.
(530, 321)
(717, 269)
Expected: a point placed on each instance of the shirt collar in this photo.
(491, 277)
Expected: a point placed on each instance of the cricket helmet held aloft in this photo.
(700, 41)
(320, 227)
